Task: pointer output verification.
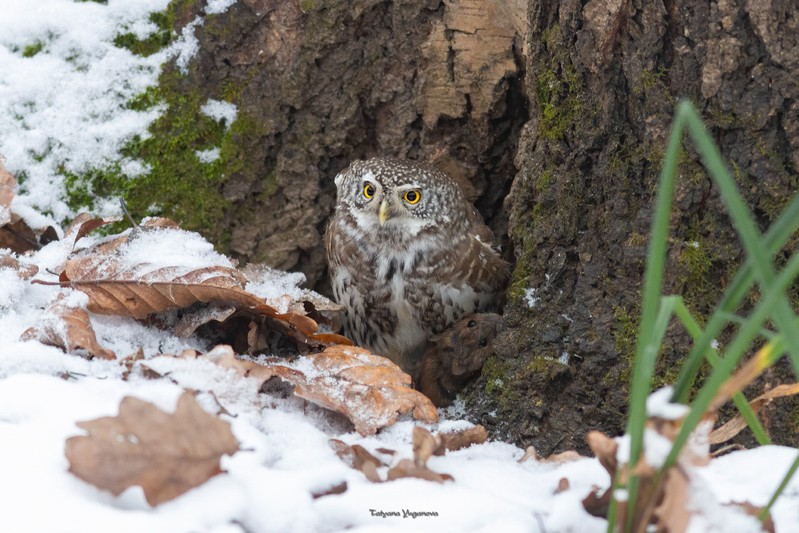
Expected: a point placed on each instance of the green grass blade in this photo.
(646, 349)
(780, 489)
(749, 416)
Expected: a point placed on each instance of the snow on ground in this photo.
(63, 104)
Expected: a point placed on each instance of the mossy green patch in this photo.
(520, 277)
(793, 420)
(558, 88)
(499, 380)
(32, 49)
(177, 183)
(625, 334)
(165, 32)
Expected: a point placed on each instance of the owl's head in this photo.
(386, 195)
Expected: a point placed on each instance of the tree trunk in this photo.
(569, 103)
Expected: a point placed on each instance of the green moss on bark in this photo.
(177, 184)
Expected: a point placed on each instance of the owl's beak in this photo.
(382, 214)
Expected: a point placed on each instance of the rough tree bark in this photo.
(570, 102)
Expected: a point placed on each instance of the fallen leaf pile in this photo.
(115, 286)
(168, 454)
(425, 445)
(371, 391)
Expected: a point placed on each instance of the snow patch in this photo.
(208, 156)
(659, 405)
(530, 298)
(220, 111)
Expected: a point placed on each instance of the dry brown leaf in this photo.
(409, 468)
(662, 501)
(359, 458)
(15, 233)
(339, 488)
(315, 306)
(425, 444)
(192, 320)
(83, 224)
(753, 510)
(671, 512)
(605, 450)
(7, 260)
(371, 391)
(368, 389)
(555, 458)
(456, 440)
(7, 186)
(165, 454)
(69, 328)
(737, 424)
(115, 286)
(563, 457)
(529, 453)
(19, 237)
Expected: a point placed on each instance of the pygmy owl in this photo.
(408, 256)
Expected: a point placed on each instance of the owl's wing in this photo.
(480, 230)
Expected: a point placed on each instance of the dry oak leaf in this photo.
(166, 454)
(7, 260)
(424, 445)
(68, 327)
(7, 185)
(359, 458)
(370, 390)
(15, 233)
(300, 301)
(117, 286)
(83, 224)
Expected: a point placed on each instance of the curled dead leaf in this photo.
(15, 233)
(68, 327)
(409, 468)
(7, 186)
(737, 424)
(119, 285)
(425, 444)
(301, 302)
(7, 260)
(368, 389)
(166, 454)
(83, 224)
(456, 440)
(358, 458)
(339, 488)
(371, 391)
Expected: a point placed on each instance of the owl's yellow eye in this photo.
(412, 197)
(368, 191)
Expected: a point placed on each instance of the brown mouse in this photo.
(455, 356)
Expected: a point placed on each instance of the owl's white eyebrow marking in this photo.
(408, 186)
(368, 176)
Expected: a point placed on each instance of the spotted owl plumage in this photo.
(408, 256)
